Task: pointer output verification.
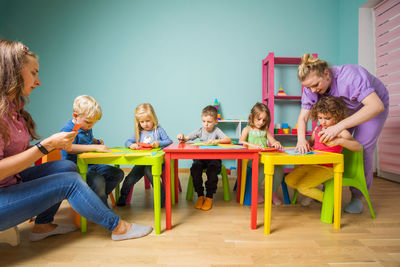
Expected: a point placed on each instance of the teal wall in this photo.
(348, 30)
(178, 55)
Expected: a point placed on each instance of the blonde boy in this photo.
(101, 178)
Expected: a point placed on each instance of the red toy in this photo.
(145, 146)
(77, 127)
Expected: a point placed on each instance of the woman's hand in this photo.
(155, 144)
(61, 140)
(134, 146)
(329, 133)
(302, 146)
(336, 141)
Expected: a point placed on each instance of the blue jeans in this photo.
(134, 176)
(43, 188)
(103, 179)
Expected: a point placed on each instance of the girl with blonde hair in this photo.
(148, 131)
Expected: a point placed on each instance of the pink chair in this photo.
(147, 185)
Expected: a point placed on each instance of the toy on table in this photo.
(281, 91)
(217, 106)
(77, 127)
(145, 146)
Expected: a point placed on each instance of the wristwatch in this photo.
(42, 148)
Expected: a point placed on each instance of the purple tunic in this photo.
(353, 83)
(19, 141)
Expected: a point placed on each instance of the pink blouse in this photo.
(19, 141)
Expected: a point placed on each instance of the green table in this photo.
(126, 156)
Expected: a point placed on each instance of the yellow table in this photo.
(126, 156)
(270, 159)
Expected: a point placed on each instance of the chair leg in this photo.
(190, 189)
(146, 183)
(286, 197)
(243, 181)
(113, 203)
(10, 236)
(295, 194)
(225, 184)
(129, 198)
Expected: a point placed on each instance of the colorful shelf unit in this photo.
(268, 86)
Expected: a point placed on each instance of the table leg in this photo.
(337, 176)
(254, 192)
(269, 173)
(239, 179)
(173, 182)
(168, 191)
(156, 172)
(176, 181)
(83, 168)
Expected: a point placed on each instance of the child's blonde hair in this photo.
(142, 111)
(87, 106)
(329, 104)
(256, 110)
(310, 64)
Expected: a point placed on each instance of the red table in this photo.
(178, 151)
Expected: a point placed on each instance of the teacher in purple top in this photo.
(366, 98)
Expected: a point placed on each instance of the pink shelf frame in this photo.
(268, 86)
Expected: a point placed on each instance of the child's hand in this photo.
(102, 148)
(181, 138)
(155, 144)
(212, 141)
(134, 146)
(277, 144)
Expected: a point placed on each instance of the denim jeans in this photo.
(103, 179)
(134, 176)
(43, 188)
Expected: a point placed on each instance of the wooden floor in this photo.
(222, 236)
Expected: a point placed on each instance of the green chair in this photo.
(225, 185)
(353, 175)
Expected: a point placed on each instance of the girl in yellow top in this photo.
(257, 135)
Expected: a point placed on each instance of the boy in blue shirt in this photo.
(102, 179)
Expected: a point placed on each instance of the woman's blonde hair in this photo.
(87, 106)
(311, 64)
(329, 104)
(13, 57)
(257, 109)
(143, 111)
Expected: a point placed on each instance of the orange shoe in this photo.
(199, 202)
(207, 205)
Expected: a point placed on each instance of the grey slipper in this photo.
(136, 231)
(59, 230)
